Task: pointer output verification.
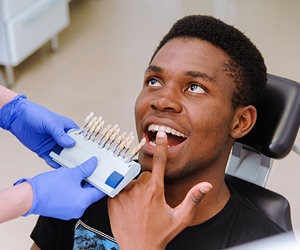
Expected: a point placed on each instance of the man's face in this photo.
(187, 94)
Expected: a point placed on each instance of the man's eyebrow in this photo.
(153, 68)
(197, 74)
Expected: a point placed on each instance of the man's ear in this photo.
(243, 121)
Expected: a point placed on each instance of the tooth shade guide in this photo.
(104, 132)
(137, 149)
(118, 139)
(111, 159)
(99, 119)
(111, 137)
(123, 135)
(118, 142)
(85, 122)
(127, 146)
(90, 126)
(91, 132)
(101, 125)
(96, 132)
(117, 132)
(122, 145)
(115, 127)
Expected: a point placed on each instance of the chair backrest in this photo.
(273, 205)
(272, 137)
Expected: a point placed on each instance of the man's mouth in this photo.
(174, 137)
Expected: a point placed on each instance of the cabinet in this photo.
(25, 26)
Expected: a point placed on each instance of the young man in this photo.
(199, 95)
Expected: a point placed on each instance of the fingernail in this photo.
(160, 134)
(205, 189)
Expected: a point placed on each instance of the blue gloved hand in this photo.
(38, 128)
(60, 194)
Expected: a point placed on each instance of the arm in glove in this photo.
(38, 128)
(60, 194)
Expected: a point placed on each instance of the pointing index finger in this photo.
(160, 156)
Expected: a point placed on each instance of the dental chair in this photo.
(272, 137)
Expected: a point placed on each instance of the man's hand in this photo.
(139, 216)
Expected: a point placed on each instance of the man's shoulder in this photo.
(248, 214)
(238, 222)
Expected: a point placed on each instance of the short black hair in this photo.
(246, 65)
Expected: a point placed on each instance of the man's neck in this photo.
(213, 202)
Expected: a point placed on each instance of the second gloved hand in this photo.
(60, 194)
(38, 128)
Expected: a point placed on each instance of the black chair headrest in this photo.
(278, 118)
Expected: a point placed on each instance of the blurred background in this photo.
(103, 50)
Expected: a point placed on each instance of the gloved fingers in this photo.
(86, 184)
(87, 168)
(59, 131)
(64, 140)
(50, 162)
(94, 194)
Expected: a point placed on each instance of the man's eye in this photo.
(195, 88)
(153, 82)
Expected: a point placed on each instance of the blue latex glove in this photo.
(38, 128)
(59, 193)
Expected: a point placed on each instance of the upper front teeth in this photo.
(172, 131)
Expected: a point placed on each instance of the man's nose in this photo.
(167, 99)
